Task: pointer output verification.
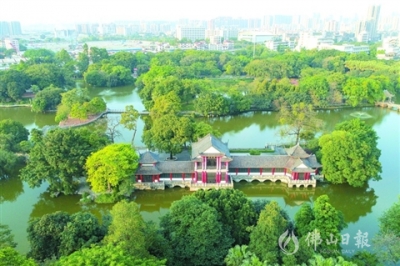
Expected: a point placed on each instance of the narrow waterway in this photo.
(361, 206)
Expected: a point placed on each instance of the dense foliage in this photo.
(111, 169)
(194, 234)
(59, 156)
(350, 154)
(59, 233)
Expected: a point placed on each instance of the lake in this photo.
(361, 206)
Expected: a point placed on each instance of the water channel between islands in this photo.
(361, 206)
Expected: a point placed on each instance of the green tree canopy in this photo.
(166, 134)
(297, 119)
(11, 257)
(194, 233)
(59, 158)
(128, 229)
(129, 120)
(350, 154)
(106, 255)
(59, 233)
(6, 237)
(110, 167)
(12, 133)
(47, 99)
(236, 211)
(264, 236)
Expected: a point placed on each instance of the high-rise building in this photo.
(370, 24)
(372, 21)
(4, 29)
(191, 33)
(15, 28)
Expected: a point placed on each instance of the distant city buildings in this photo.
(9, 29)
(367, 29)
(190, 33)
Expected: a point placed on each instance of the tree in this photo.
(82, 63)
(166, 104)
(47, 99)
(59, 233)
(166, 135)
(44, 235)
(95, 78)
(298, 118)
(59, 158)
(264, 236)
(128, 229)
(236, 211)
(8, 162)
(112, 128)
(11, 257)
(350, 154)
(303, 218)
(240, 256)
(106, 255)
(386, 242)
(327, 223)
(201, 129)
(210, 104)
(15, 132)
(361, 89)
(98, 54)
(77, 97)
(39, 56)
(318, 260)
(6, 237)
(81, 231)
(390, 219)
(13, 84)
(194, 233)
(111, 166)
(129, 120)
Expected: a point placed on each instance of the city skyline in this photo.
(89, 11)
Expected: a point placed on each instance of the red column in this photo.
(205, 177)
(183, 176)
(260, 171)
(284, 171)
(170, 176)
(195, 177)
(141, 178)
(217, 178)
(273, 171)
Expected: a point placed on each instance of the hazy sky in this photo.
(71, 11)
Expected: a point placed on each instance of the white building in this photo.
(12, 44)
(191, 33)
(256, 36)
(275, 44)
(309, 41)
(347, 48)
(390, 48)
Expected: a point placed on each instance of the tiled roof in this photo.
(176, 166)
(148, 170)
(259, 161)
(148, 157)
(312, 162)
(297, 151)
(292, 163)
(207, 142)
